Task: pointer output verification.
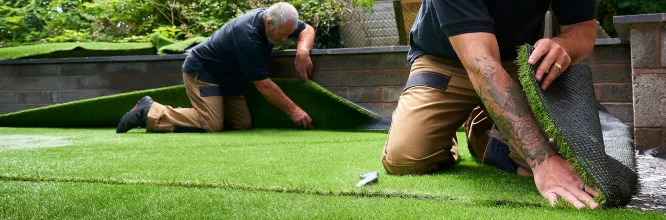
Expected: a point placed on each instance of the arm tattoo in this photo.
(506, 105)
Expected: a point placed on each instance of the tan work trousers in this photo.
(422, 135)
(208, 113)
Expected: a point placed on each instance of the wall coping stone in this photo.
(622, 23)
(337, 51)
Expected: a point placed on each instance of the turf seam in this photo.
(199, 184)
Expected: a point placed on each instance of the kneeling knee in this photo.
(214, 128)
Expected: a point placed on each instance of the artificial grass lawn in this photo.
(88, 49)
(49, 200)
(241, 174)
(327, 110)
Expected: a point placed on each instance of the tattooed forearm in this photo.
(505, 103)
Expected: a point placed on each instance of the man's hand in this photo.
(572, 45)
(303, 62)
(303, 65)
(300, 118)
(275, 96)
(555, 61)
(554, 179)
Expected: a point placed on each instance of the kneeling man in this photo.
(216, 71)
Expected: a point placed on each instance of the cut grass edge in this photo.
(360, 192)
(529, 84)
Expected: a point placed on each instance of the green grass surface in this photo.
(181, 46)
(62, 50)
(73, 173)
(531, 88)
(326, 109)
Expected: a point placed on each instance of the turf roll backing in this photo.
(570, 114)
(327, 110)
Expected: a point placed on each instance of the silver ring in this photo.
(583, 188)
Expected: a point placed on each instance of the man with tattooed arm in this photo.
(461, 53)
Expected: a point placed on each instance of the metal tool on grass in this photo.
(368, 178)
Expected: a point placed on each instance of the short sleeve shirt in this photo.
(236, 54)
(513, 22)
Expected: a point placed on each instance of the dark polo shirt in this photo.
(514, 22)
(234, 55)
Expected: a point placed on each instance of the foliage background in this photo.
(609, 8)
(39, 21)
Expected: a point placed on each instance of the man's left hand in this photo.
(303, 65)
(555, 61)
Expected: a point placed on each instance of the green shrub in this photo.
(609, 8)
(24, 22)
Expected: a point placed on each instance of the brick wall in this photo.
(24, 86)
(611, 71)
(372, 77)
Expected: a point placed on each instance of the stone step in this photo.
(381, 24)
(384, 41)
(382, 32)
(377, 15)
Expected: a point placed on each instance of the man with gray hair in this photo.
(216, 71)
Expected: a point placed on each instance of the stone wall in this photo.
(647, 37)
(372, 77)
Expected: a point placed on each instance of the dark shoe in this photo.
(497, 154)
(136, 117)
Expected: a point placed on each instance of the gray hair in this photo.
(280, 13)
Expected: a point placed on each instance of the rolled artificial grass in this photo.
(248, 174)
(327, 110)
(158, 44)
(531, 88)
(180, 46)
(160, 41)
(64, 50)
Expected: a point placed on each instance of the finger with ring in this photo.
(558, 66)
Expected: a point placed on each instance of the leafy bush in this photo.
(39, 21)
(325, 16)
(609, 8)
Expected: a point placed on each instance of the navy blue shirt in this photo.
(235, 54)
(514, 23)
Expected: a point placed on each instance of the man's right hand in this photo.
(275, 96)
(554, 179)
(300, 118)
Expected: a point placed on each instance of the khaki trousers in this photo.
(422, 135)
(209, 113)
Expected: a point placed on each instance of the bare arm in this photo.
(502, 97)
(574, 44)
(305, 40)
(303, 63)
(275, 96)
(506, 104)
